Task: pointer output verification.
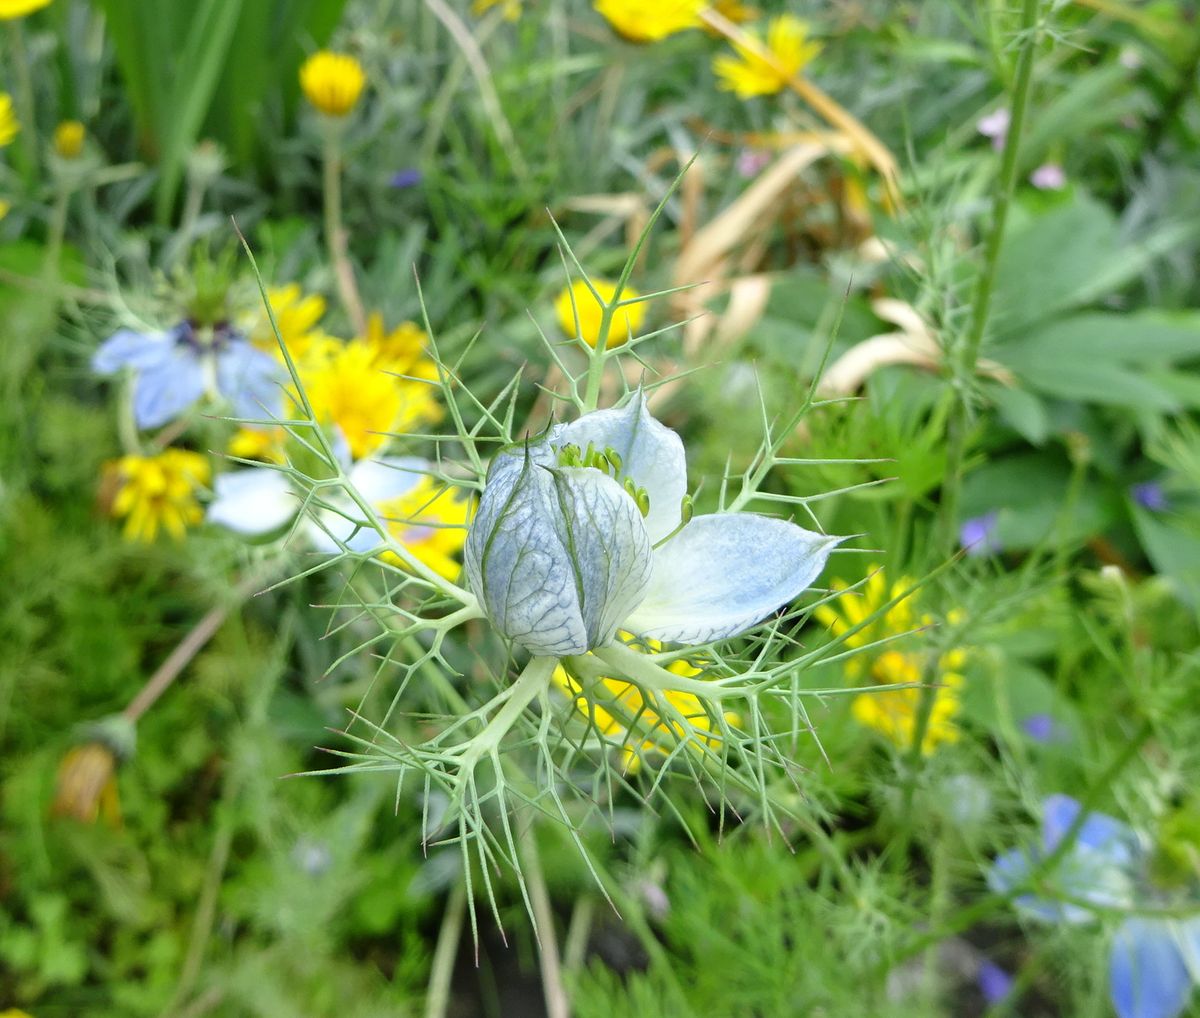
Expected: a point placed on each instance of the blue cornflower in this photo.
(1154, 962)
(173, 369)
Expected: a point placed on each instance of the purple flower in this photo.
(751, 162)
(995, 126)
(994, 983)
(1048, 177)
(1151, 959)
(1150, 495)
(1040, 727)
(174, 369)
(410, 177)
(977, 535)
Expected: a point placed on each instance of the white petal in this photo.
(557, 557)
(387, 477)
(252, 502)
(651, 454)
(721, 574)
(126, 348)
(378, 481)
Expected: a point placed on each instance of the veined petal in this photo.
(723, 573)
(129, 349)
(1147, 975)
(556, 556)
(253, 501)
(651, 454)
(1105, 835)
(250, 379)
(166, 387)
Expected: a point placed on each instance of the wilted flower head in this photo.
(588, 530)
(579, 312)
(68, 139)
(639, 21)
(894, 712)
(9, 125)
(1152, 963)
(159, 492)
(10, 9)
(174, 369)
(332, 82)
(86, 785)
(750, 73)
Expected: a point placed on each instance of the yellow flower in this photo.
(68, 139)
(577, 300)
(8, 119)
(401, 351)
(332, 81)
(731, 10)
(512, 8)
(894, 712)
(4, 207)
(159, 492)
(264, 444)
(650, 20)
(10, 9)
(296, 316)
(86, 786)
(750, 73)
(431, 522)
(635, 721)
(350, 391)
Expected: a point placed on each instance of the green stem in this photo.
(557, 1003)
(57, 230)
(335, 231)
(27, 139)
(441, 972)
(968, 354)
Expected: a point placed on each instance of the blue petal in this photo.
(166, 388)
(994, 983)
(129, 349)
(1187, 934)
(1074, 876)
(250, 380)
(1100, 832)
(1147, 976)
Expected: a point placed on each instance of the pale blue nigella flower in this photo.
(174, 369)
(1153, 962)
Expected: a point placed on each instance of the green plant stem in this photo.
(57, 230)
(27, 138)
(441, 972)
(335, 231)
(557, 1004)
(965, 918)
(968, 349)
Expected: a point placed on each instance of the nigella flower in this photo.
(1153, 961)
(977, 535)
(1150, 495)
(588, 530)
(174, 369)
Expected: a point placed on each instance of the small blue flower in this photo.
(174, 369)
(1153, 962)
(994, 983)
(1040, 727)
(978, 534)
(410, 177)
(1150, 495)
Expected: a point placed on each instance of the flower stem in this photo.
(557, 1004)
(27, 139)
(441, 972)
(968, 351)
(335, 231)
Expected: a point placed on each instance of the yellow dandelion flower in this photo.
(350, 391)
(332, 82)
(68, 139)
(296, 316)
(636, 721)
(750, 73)
(10, 9)
(9, 126)
(642, 21)
(431, 522)
(578, 300)
(734, 11)
(265, 444)
(894, 712)
(159, 492)
(86, 786)
(512, 8)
